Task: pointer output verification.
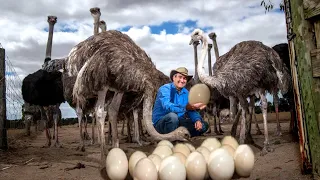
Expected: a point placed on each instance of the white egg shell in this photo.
(172, 168)
(165, 143)
(190, 146)
(231, 141)
(182, 148)
(221, 165)
(211, 144)
(205, 153)
(145, 170)
(181, 157)
(162, 151)
(117, 164)
(244, 160)
(196, 166)
(156, 159)
(134, 158)
(230, 149)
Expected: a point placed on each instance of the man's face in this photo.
(179, 80)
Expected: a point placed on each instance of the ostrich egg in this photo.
(199, 93)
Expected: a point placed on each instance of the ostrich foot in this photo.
(115, 143)
(221, 131)
(81, 148)
(57, 145)
(208, 131)
(141, 142)
(48, 144)
(248, 139)
(86, 136)
(266, 149)
(278, 131)
(258, 132)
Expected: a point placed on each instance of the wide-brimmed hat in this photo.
(181, 70)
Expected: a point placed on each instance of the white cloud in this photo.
(22, 27)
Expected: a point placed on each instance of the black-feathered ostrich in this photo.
(249, 68)
(44, 88)
(116, 63)
(225, 102)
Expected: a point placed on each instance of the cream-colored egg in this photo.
(229, 149)
(172, 168)
(231, 141)
(165, 143)
(205, 153)
(117, 164)
(145, 170)
(181, 156)
(156, 159)
(196, 166)
(244, 160)
(134, 158)
(211, 144)
(190, 146)
(182, 148)
(221, 166)
(162, 151)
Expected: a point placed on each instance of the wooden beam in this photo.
(315, 62)
(3, 116)
(311, 8)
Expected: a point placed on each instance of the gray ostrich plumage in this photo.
(249, 68)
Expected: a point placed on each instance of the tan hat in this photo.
(181, 70)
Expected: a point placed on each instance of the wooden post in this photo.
(309, 86)
(3, 116)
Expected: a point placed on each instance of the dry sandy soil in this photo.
(28, 160)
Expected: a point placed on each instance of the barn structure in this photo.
(303, 33)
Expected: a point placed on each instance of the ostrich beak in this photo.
(191, 41)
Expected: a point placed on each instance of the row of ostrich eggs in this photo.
(212, 159)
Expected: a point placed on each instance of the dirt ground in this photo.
(28, 160)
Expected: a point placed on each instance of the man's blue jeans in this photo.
(170, 122)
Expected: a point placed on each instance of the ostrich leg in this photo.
(233, 110)
(214, 112)
(113, 117)
(85, 134)
(56, 117)
(276, 106)
(92, 130)
(109, 133)
(256, 121)
(245, 111)
(219, 120)
(101, 114)
(248, 139)
(123, 125)
(264, 108)
(129, 137)
(137, 138)
(80, 116)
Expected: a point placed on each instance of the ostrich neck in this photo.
(196, 78)
(96, 25)
(215, 46)
(103, 28)
(209, 60)
(209, 80)
(49, 42)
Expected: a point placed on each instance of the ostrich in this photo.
(283, 51)
(44, 88)
(31, 114)
(225, 103)
(249, 68)
(117, 64)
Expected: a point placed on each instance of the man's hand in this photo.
(196, 106)
(198, 125)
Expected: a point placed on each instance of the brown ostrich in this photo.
(226, 102)
(117, 64)
(249, 68)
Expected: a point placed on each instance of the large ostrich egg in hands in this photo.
(199, 93)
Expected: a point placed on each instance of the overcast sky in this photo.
(161, 27)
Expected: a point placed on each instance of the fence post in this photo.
(3, 116)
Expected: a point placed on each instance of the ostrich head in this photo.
(212, 35)
(196, 35)
(103, 25)
(95, 12)
(52, 20)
